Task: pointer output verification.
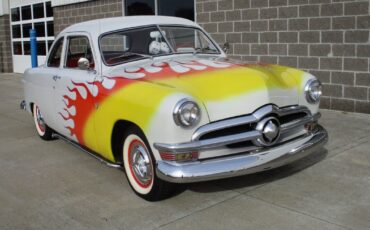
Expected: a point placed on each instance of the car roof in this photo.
(101, 26)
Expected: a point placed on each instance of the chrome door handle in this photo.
(56, 77)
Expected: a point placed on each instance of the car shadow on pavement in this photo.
(252, 181)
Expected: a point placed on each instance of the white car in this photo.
(158, 97)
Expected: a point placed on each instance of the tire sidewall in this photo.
(39, 130)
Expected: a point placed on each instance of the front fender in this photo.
(145, 104)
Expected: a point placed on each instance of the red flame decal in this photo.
(85, 106)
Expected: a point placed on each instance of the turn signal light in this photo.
(310, 126)
(179, 156)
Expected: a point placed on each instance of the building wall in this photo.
(70, 14)
(6, 64)
(66, 2)
(329, 38)
(4, 7)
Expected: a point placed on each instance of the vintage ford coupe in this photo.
(159, 98)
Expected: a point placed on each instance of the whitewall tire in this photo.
(42, 128)
(139, 166)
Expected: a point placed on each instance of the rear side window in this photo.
(56, 54)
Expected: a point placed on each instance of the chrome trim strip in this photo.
(99, 158)
(294, 124)
(225, 167)
(207, 144)
(254, 117)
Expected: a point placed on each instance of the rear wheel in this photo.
(139, 163)
(44, 131)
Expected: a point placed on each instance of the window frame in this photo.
(158, 55)
(65, 55)
(43, 10)
(52, 48)
(22, 39)
(124, 30)
(156, 11)
(196, 28)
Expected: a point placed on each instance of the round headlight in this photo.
(186, 113)
(313, 91)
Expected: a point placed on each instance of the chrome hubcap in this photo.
(40, 120)
(141, 165)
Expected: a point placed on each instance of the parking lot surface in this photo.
(52, 185)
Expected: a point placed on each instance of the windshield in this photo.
(134, 44)
(185, 40)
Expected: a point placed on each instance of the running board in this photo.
(96, 156)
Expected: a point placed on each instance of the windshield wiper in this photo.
(128, 54)
(198, 51)
(203, 51)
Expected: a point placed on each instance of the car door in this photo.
(46, 82)
(74, 90)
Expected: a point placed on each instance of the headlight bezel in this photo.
(309, 94)
(178, 113)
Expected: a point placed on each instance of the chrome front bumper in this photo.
(240, 164)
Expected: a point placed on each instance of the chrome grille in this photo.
(228, 131)
(292, 120)
(292, 117)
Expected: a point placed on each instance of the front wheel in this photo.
(44, 131)
(139, 163)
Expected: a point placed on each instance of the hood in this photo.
(225, 88)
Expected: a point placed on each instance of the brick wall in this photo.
(329, 38)
(6, 63)
(70, 14)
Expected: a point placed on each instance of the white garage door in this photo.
(24, 16)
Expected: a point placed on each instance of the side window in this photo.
(78, 47)
(56, 54)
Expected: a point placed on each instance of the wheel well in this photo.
(31, 107)
(117, 134)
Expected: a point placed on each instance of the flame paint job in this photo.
(136, 93)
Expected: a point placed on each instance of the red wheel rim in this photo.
(141, 181)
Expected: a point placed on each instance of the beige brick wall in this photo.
(329, 38)
(6, 63)
(70, 14)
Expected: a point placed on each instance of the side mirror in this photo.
(83, 64)
(226, 47)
